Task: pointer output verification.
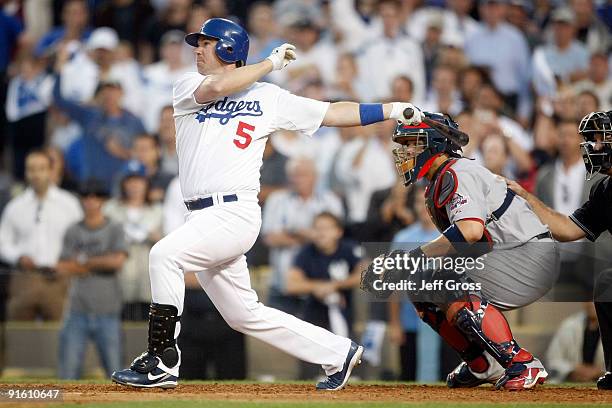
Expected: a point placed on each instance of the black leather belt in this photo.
(206, 202)
(495, 215)
(543, 235)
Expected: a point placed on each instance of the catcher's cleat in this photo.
(605, 382)
(523, 376)
(337, 381)
(464, 377)
(145, 372)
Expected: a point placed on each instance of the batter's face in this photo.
(206, 57)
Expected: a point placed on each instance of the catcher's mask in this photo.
(596, 129)
(419, 144)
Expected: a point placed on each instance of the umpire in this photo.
(590, 220)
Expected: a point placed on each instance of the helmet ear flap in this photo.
(225, 50)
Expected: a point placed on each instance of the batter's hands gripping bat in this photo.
(455, 135)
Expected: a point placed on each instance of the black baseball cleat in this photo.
(145, 373)
(462, 377)
(337, 381)
(605, 382)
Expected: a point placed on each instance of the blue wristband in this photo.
(371, 113)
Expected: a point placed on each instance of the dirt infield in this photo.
(80, 393)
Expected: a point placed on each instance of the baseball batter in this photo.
(476, 214)
(223, 118)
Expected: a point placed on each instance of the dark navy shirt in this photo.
(594, 217)
(335, 267)
(10, 28)
(98, 128)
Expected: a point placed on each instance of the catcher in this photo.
(473, 209)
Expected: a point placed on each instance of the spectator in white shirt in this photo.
(495, 153)
(591, 30)
(365, 165)
(487, 119)
(504, 49)
(287, 224)
(348, 84)
(100, 61)
(317, 56)
(599, 80)
(356, 28)
(160, 76)
(31, 234)
(561, 185)
(263, 32)
(457, 22)
(586, 102)
(443, 95)
(402, 88)
(564, 60)
(392, 54)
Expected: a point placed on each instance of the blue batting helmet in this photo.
(233, 40)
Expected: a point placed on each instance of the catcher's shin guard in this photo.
(485, 325)
(472, 353)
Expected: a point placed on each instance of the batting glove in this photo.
(282, 56)
(399, 109)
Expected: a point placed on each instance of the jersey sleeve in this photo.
(468, 201)
(588, 217)
(297, 113)
(183, 99)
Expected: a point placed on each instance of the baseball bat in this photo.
(455, 135)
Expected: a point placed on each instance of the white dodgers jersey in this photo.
(220, 144)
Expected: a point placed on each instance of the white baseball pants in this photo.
(212, 243)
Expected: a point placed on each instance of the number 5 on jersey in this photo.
(243, 139)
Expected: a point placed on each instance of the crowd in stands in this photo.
(88, 155)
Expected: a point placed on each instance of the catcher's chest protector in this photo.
(440, 190)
